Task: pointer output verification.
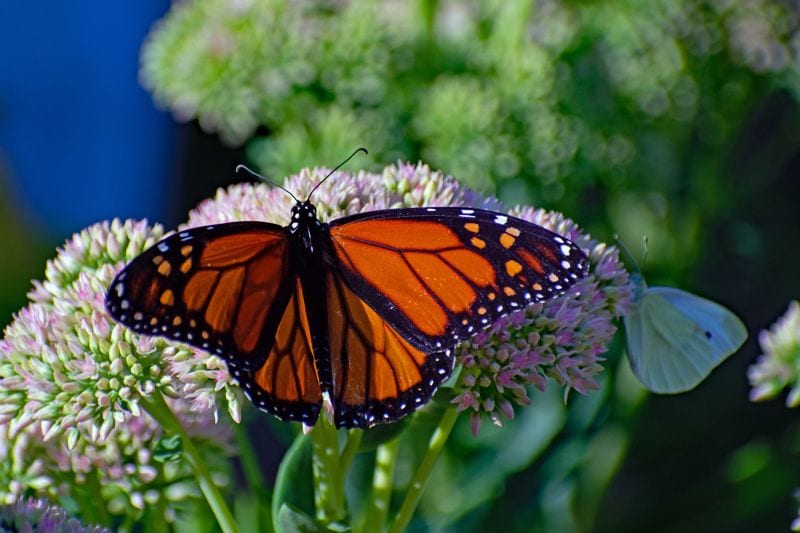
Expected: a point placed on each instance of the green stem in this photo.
(93, 507)
(157, 407)
(420, 479)
(250, 465)
(252, 474)
(328, 480)
(154, 518)
(128, 525)
(509, 25)
(427, 11)
(351, 447)
(385, 459)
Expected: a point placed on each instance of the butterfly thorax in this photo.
(306, 227)
(638, 287)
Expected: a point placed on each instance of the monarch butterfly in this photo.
(362, 312)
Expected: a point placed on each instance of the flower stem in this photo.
(427, 10)
(252, 474)
(92, 505)
(420, 479)
(385, 459)
(351, 446)
(157, 407)
(328, 480)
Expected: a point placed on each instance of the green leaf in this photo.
(377, 435)
(444, 396)
(247, 511)
(167, 449)
(291, 520)
(486, 462)
(293, 484)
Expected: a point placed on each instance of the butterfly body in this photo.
(364, 310)
(309, 240)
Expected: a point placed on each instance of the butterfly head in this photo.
(638, 285)
(303, 213)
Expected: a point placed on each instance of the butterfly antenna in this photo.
(646, 251)
(627, 253)
(360, 149)
(266, 179)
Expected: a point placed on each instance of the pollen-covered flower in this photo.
(72, 382)
(560, 340)
(779, 366)
(40, 515)
(400, 185)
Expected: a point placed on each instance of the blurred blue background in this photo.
(81, 139)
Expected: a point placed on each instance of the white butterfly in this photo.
(675, 339)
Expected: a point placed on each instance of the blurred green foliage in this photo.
(617, 113)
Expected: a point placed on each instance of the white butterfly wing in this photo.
(675, 338)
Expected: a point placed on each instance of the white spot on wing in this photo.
(565, 249)
(501, 219)
(162, 247)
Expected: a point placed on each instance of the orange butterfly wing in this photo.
(378, 376)
(438, 275)
(228, 289)
(220, 288)
(287, 384)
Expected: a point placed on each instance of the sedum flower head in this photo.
(72, 381)
(560, 340)
(40, 515)
(779, 366)
(400, 185)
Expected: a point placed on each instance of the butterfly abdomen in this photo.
(309, 244)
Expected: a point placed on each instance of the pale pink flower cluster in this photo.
(72, 382)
